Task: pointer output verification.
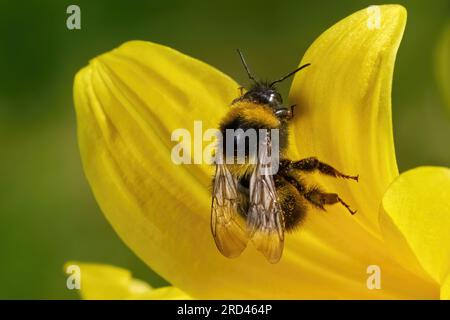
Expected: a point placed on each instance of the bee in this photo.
(258, 205)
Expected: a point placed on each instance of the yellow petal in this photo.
(344, 105)
(445, 288)
(416, 207)
(128, 102)
(106, 282)
(343, 117)
(443, 64)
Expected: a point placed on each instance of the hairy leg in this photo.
(319, 198)
(313, 164)
(313, 195)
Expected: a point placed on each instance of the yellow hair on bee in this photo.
(253, 113)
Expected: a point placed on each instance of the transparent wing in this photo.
(227, 226)
(265, 222)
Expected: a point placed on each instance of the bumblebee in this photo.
(253, 204)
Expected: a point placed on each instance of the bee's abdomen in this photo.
(292, 205)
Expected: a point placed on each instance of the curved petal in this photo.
(416, 208)
(344, 105)
(343, 117)
(106, 282)
(443, 64)
(128, 103)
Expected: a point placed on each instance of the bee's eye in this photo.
(272, 97)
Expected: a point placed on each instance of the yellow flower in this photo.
(99, 281)
(128, 102)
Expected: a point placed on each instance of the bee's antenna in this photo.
(290, 74)
(245, 66)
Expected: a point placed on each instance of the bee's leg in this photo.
(314, 195)
(312, 164)
(319, 198)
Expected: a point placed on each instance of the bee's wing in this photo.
(264, 219)
(227, 227)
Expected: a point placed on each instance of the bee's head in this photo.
(265, 92)
(262, 93)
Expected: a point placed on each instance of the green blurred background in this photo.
(47, 212)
